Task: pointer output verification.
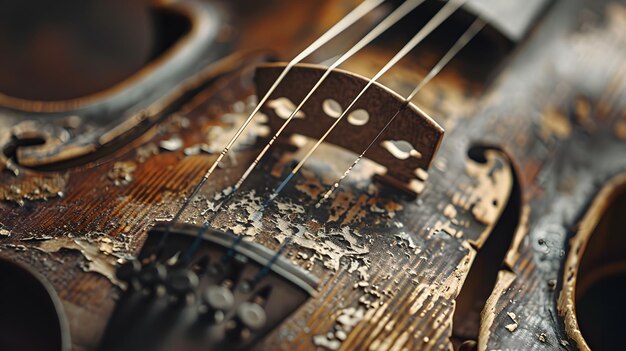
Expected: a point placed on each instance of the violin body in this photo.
(487, 250)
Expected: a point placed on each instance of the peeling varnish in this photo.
(247, 220)
(437, 294)
(311, 185)
(33, 187)
(407, 241)
(122, 173)
(512, 326)
(346, 321)
(172, 144)
(520, 233)
(555, 123)
(326, 251)
(488, 315)
(445, 227)
(341, 204)
(490, 193)
(450, 211)
(145, 152)
(102, 253)
(392, 207)
(566, 306)
(4, 231)
(371, 311)
(220, 135)
(359, 210)
(504, 281)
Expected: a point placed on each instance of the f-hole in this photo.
(601, 281)
(482, 276)
(10, 149)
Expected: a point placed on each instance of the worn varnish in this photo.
(391, 267)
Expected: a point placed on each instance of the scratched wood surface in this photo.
(390, 266)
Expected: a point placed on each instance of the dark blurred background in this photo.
(64, 49)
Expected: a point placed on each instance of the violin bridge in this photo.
(407, 146)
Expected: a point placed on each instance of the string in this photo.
(446, 11)
(474, 28)
(382, 27)
(463, 40)
(364, 8)
(441, 16)
(379, 29)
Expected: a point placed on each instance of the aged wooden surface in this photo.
(390, 266)
(575, 149)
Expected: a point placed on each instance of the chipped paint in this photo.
(172, 144)
(522, 229)
(197, 149)
(311, 185)
(101, 252)
(122, 173)
(346, 321)
(324, 244)
(488, 195)
(445, 227)
(4, 231)
(340, 205)
(450, 211)
(145, 152)
(219, 136)
(555, 124)
(359, 210)
(35, 187)
(408, 241)
(512, 326)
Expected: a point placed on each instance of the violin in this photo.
(321, 175)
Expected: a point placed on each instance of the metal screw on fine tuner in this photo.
(152, 275)
(128, 272)
(250, 317)
(181, 283)
(231, 309)
(218, 300)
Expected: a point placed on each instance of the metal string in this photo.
(440, 17)
(382, 27)
(364, 8)
(467, 36)
(446, 11)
